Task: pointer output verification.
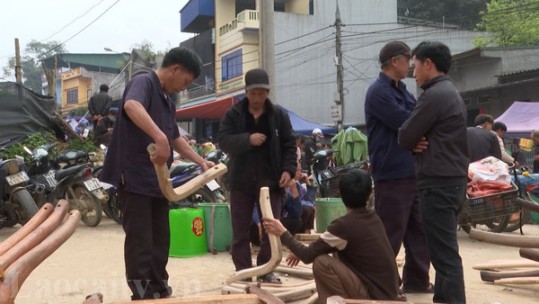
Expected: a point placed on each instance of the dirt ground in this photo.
(92, 261)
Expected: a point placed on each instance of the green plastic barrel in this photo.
(218, 233)
(187, 232)
(328, 209)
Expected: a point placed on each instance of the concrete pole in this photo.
(340, 76)
(266, 47)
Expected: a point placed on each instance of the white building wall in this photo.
(305, 51)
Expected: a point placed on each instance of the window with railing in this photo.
(72, 96)
(231, 65)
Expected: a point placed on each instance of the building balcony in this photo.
(245, 20)
(197, 16)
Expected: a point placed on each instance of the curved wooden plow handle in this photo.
(32, 224)
(17, 272)
(183, 191)
(275, 245)
(35, 237)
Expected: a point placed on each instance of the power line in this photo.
(44, 55)
(74, 20)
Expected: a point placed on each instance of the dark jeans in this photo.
(439, 208)
(147, 240)
(397, 205)
(241, 209)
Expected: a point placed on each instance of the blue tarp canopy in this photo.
(305, 127)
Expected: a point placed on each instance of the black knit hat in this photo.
(392, 49)
(256, 78)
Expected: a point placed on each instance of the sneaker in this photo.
(269, 278)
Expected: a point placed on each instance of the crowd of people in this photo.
(419, 152)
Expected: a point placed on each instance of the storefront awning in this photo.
(210, 110)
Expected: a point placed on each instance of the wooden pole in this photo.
(505, 239)
(18, 68)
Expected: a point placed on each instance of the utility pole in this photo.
(266, 46)
(338, 62)
(18, 68)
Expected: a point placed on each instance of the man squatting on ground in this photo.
(363, 266)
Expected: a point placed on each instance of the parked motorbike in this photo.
(74, 183)
(16, 205)
(324, 174)
(70, 158)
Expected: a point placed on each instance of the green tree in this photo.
(463, 13)
(509, 23)
(34, 52)
(146, 48)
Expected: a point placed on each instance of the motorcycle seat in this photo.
(182, 168)
(61, 173)
(71, 155)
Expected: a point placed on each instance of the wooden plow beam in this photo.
(275, 245)
(183, 191)
(32, 244)
(505, 239)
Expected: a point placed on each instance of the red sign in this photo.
(197, 226)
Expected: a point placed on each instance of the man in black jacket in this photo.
(436, 132)
(99, 104)
(259, 140)
(482, 142)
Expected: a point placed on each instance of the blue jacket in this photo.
(387, 107)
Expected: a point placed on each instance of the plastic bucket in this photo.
(187, 232)
(222, 225)
(328, 209)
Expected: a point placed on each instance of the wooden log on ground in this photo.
(341, 300)
(35, 237)
(35, 221)
(530, 253)
(227, 289)
(179, 193)
(302, 273)
(504, 264)
(298, 293)
(510, 281)
(491, 276)
(263, 295)
(275, 245)
(312, 299)
(16, 274)
(505, 239)
(214, 299)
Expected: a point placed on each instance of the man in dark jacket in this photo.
(387, 105)
(436, 132)
(99, 104)
(482, 142)
(259, 140)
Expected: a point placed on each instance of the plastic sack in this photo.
(489, 169)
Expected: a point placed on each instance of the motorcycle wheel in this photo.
(88, 205)
(525, 214)
(498, 224)
(112, 209)
(28, 207)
